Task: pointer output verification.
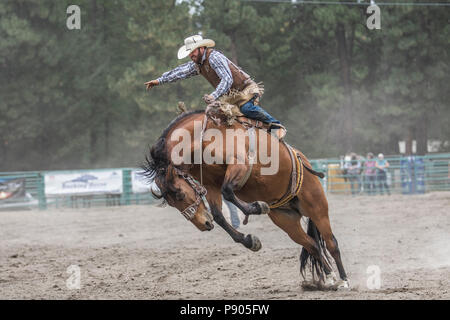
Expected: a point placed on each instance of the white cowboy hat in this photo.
(193, 42)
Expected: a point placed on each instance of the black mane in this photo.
(158, 159)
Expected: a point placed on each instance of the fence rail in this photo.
(405, 175)
(19, 190)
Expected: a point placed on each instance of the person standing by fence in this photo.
(234, 215)
(370, 174)
(353, 171)
(382, 165)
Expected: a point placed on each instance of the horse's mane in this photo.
(158, 160)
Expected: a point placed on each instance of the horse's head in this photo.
(180, 190)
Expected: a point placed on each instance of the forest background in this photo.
(73, 99)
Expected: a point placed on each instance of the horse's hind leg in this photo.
(233, 177)
(318, 212)
(323, 225)
(289, 221)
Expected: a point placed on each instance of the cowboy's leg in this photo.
(256, 112)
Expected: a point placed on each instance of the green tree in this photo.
(414, 68)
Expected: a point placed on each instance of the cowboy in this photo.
(232, 85)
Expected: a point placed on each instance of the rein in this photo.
(205, 120)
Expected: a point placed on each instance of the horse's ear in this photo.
(181, 107)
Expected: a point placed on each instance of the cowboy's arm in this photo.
(220, 65)
(183, 71)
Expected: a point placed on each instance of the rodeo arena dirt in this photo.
(150, 252)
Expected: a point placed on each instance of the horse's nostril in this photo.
(209, 225)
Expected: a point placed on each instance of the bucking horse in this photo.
(201, 157)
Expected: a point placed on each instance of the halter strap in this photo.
(200, 195)
(296, 179)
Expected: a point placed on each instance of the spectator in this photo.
(234, 216)
(370, 174)
(345, 164)
(354, 171)
(361, 160)
(382, 166)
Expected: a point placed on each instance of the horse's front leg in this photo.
(249, 241)
(233, 178)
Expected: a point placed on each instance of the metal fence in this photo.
(405, 175)
(34, 193)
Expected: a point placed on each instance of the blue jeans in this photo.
(256, 112)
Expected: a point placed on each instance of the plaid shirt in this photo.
(217, 61)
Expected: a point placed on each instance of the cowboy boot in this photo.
(277, 130)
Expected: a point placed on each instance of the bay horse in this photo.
(196, 188)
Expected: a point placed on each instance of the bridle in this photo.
(199, 189)
(200, 195)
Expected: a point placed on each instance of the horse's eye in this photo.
(179, 196)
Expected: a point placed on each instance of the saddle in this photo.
(276, 129)
(214, 113)
(228, 114)
(296, 160)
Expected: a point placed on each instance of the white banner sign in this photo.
(84, 182)
(139, 182)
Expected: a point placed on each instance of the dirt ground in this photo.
(146, 252)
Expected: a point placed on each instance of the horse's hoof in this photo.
(309, 285)
(256, 244)
(318, 286)
(330, 279)
(263, 207)
(342, 285)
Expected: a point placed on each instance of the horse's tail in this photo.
(305, 257)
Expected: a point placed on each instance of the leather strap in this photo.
(296, 179)
(251, 156)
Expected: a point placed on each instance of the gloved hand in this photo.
(208, 98)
